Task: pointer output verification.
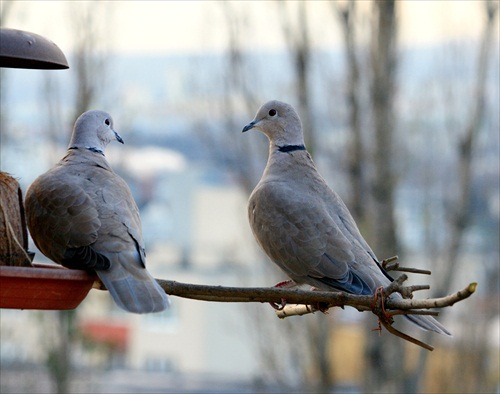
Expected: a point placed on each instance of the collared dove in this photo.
(303, 225)
(81, 214)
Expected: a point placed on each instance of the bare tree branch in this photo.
(308, 301)
(307, 297)
(391, 264)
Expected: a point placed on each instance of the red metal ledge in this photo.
(43, 286)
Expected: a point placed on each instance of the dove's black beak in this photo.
(248, 126)
(118, 138)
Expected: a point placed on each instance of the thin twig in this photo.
(432, 303)
(414, 270)
(391, 264)
(406, 337)
(389, 260)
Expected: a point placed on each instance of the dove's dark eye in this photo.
(107, 122)
(272, 112)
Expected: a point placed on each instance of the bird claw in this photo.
(279, 306)
(323, 307)
(285, 284)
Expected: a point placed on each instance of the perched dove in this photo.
(302, 224)
(82, 215)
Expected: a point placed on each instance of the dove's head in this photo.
(279, 122)
(94, 130)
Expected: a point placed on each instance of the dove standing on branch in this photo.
(303, 225)
(82, 215)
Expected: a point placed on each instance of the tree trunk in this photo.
(356, 158)
(383, 63)
(385, 357)
(59, 353)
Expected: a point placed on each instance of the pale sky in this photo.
(192, 26)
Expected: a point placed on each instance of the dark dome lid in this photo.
(21, 49)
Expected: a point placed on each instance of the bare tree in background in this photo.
(346, 13)
(238, 85)
(5, 12)
(54, 127)
(88, 64)
(384, 358)
(91, 53)
(239, 94)
(89, 29)
(383, 88)
(301, 348)
(295, 25)
(296, 32)
(460, 218)
(248, 156)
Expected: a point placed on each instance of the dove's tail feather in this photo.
(135, 295)
(428, 323)
(133, 288)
